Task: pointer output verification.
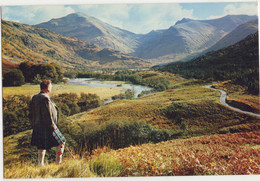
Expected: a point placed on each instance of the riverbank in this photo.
(90, 82)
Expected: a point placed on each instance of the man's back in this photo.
(43, 112)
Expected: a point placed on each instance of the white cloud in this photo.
(35, 14)
(243, 8)
(139, 18)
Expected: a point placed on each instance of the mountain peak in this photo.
(184, 20)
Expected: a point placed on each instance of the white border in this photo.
(70, 2)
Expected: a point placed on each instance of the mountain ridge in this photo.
(29, 43)
(89, 28)
(186, 37)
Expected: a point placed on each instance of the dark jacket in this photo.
(44, 117)
(43, 112)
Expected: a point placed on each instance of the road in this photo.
(222, 101)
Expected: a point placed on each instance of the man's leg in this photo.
(59, 152)
(41, 155)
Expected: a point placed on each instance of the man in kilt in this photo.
(44, 117)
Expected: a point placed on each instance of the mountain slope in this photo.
(241, 32)
(239, 63)
(27, 43)
(188, 37)
(91, 29)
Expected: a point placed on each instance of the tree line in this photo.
(239, 63)
(133, 76)
(33, 73)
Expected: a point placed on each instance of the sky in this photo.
(135, 17)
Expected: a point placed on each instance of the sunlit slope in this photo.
(192, 109)
(228, 154)
(21, 42)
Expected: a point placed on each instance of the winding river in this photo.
(222, 101)
(91, 82)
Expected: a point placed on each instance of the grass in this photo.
(206, 155)
(29, 90)
(193, 105)
(69, 169)
(227, 154)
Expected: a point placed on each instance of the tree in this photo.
(13, 78)
(89, 101)
(25, 67)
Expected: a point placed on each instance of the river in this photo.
(91, 82)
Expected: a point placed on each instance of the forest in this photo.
(239, 63)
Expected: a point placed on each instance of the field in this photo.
(29, 90)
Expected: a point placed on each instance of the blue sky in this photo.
(138, 18)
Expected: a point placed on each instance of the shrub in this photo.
(16, 118)
(63, 108)
(89, 101)
(13, 78)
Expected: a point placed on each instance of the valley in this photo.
(158, 104)
(185, 112)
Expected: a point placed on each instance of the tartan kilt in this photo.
(45, 139)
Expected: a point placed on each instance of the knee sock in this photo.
(41, 155)
(59, 152)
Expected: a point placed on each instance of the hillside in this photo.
(27, 43)
(189, 37)
(171, 123)
(228, 154)
(238, 63)
(241, 32)
(91, 29)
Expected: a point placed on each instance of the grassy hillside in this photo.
(228, 154)
(239, 63)
(28, 43)
(195, 107)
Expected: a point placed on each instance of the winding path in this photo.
(223, 102)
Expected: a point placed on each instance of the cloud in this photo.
(35, 14)
(138, 18)
(242, 8)
(238, 9)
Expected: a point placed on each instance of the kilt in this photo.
(44, 138)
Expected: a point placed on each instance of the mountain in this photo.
(88, 28)
(188, 37)
(22, 42)
(238, 63)
(241, 32)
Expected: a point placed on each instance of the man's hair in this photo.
(45, 84)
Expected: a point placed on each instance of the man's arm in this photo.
(47, 114)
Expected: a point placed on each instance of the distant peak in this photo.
(76, 15)
(184, 20)
(80, 14)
